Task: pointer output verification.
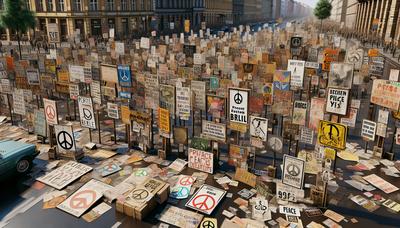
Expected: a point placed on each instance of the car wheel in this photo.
(23, 165)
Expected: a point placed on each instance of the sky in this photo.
(311, 3)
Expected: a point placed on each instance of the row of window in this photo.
(180, 4)
(77, 5)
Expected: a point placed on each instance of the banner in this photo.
(201, 160)
(337, 100)
(86, 114)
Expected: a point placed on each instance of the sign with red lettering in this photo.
(201, 160)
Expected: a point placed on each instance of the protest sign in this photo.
(299, 115)
(386, 94)
(337, 100)
(201, 160)
(332, 134)
(238, 105)
(214, 131)
(65, 138)
(293, 171)
(50, 110)
(86, 113)
(368, 130)
(296, 68)
(206, 199)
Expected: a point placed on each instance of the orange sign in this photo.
(373, 52)
(330, 55)
(163, 115)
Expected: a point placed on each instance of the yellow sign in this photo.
(125, 115)
(396, 115)
(246, 177)
(330, 154)
(373, 52)
(187, 26)
(163, 115)
(63, 76)
(209, 222)
(332, 134)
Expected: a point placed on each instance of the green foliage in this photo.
(17, 17)
(323, 9)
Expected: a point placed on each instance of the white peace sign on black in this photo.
(87, 114)
(65, 140)
(293, 170)
(124, 75)
(238, 98)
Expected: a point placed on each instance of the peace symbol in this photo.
(87, 114)
(65, 140)
(238, 98)
(186, 181)
(83, 199)
(124, 77)
(293, 170)
(50, 112)
(296, 41)
(110, 167)
(181, 192)
(139, 194)
(208, 224)
(203, 202)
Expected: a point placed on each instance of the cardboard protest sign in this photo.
(238, 105)
(181, 190)
(40, 125)
(81, 200)
(368, 130)
(296, 68)
(19, 102)
(299, 115)
(337, 100)
(180, 217)
(64, 175)
(216, 106)
(293, 171)
(86, 112)
(332, 134)
(350, 118)
(183, 104)
(214, 131)
(386, 94)
(164, 122)
(65, 138)
(112, 110)
(246, 177)
(53, 33)
(201, 160)
(341, 75)
(50, 110)
(199, 90)
(206, 199)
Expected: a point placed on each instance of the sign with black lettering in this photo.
(288, 210)
(86, 113)
(52, 32)
(238, 105)
(368, 130)
(337, 100)
(293, 171)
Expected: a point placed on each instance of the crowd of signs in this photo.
(230, 84)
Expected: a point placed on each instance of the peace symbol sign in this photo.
(50, 112)
(203, 202)
(182, 192)
(186, 181)
(238, 98)
(139, 194)
(124, 76)
(208, 224)
(87, 114)
(296, 41)
(260, 207)
(65, 140)
(293, 170)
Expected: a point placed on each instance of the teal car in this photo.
(16, 157)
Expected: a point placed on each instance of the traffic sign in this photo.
(206, 199)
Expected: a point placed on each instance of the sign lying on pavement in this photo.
(180, 217)
(206, 199)
(84, 198)
(64, 175)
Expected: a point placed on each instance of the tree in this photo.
(17, 18)
(323, 10)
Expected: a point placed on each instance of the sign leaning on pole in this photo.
(86, 113)
(53, 33)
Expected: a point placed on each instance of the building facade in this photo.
(171, 14)
(218, 13)
(344, 12)
(379, 17)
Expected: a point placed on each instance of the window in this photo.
(142, 4)
(77, 5)
(133, 5)
(1, 4)
(61, 5)
(110, 5)
(124, 5)
(93, 4)
(49, 5)
(39, 5)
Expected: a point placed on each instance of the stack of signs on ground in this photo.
(293, 171)
(181, 190)
(64, 175)
(201, 160)
(84, 198)
(206, 199)
(181, 217)
(108, 169)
